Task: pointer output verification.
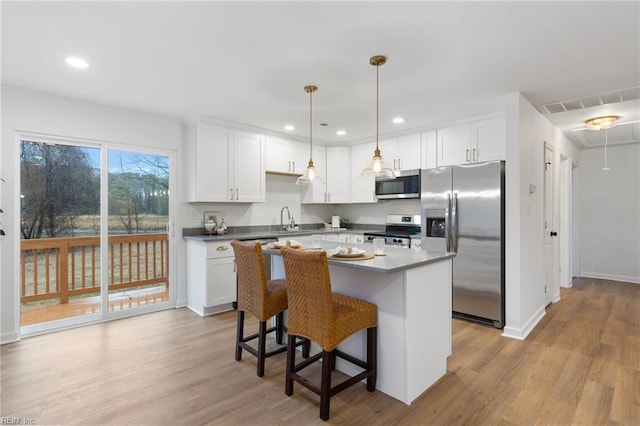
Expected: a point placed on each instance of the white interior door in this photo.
(549, 231)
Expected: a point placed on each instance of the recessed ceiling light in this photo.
(398, 120)
(77, 62)
(289, 127)
(341, 132)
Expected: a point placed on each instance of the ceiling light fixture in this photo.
(602, 123)
(341, 132)
(377, 168)
(77, 62)
(289, 127)
(398, 120)
(310, 175)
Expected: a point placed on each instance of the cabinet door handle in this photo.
(294, 166)
(394, 163)
(237, 195)
(474, 154)
(231, 194)
(289, 168)
(222, 248)
(399, 166)
(234, 266)
(466, 155)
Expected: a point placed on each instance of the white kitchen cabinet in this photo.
(477, 141)
(429, 141)
(338, 175)
(363, 189)
(285, 156)
(225, 165)
(351, 238)
(211, 277)
(402, 152)
(335, 187)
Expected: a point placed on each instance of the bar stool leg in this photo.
(372, 358)
(291, 362)
(262, 344)
(325, 385)
(279, 327)
(306, 348)
(239, 335)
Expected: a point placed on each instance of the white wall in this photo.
(610, 214)
(527, 130)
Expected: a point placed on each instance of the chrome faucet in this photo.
(284, 227)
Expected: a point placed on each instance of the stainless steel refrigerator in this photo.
(463, 212)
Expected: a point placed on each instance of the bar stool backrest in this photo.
(311, 313)
(252, 278)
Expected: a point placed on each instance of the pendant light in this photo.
(606, 142)
(603, 123)
(376, 167)
(310, 175)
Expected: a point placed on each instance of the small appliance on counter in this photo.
(211, 222)
(335, 221)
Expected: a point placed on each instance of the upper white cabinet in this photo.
(363, 189)
(285, 156)
(225, 165)
(333, 163)
(338, 175)
(402, 153)
(428, 141)
(477, 141)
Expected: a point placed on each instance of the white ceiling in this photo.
(248, 62)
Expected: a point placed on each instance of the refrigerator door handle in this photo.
(454, 223)
(447, 223)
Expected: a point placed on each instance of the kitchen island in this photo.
(412, 289)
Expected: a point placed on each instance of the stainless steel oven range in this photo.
(398, 231)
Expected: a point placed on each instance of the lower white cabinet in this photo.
(211, 277)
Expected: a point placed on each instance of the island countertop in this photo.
(396, 259)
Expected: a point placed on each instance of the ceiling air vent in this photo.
(612, 97)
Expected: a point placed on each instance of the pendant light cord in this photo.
(606, 142)
(377, 104)
(310, 125)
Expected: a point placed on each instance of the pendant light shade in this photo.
(310, 175)
(377, 167)
(603, 123)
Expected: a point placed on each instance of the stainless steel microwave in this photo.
(405, 185)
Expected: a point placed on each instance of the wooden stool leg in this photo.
(279, 327)
(325, 385)
(333, 360)
(239, 335)
(306, 348)
(291, 365)
(372, 357)
(262, 344)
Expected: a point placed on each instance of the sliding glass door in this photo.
(95, 241)
(138, 255)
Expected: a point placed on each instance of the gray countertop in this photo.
(397, 259)
(257, 235)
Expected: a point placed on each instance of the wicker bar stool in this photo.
(327, 318)
(263, 298)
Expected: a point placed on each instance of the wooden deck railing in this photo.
(57, 268)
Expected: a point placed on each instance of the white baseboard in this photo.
(523, 332)
(181, 303)
(623, 278)
(9, 337)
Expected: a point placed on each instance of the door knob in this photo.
(554, 234)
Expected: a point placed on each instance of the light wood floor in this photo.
(580, 366)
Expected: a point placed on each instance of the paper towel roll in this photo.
(335, 221)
